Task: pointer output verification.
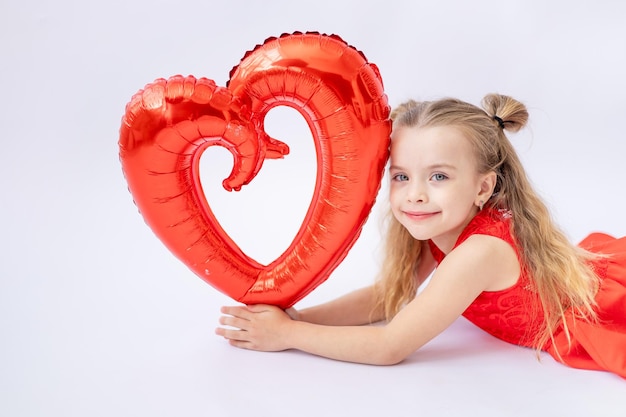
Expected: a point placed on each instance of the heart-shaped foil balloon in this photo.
(168, 125)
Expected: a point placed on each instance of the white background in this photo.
(97, 318)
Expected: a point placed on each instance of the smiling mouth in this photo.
(419, 215)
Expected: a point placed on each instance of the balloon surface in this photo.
(169, 123)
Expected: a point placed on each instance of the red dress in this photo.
(514, 314)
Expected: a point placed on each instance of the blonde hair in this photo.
(559, 271)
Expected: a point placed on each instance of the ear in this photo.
(487, 185)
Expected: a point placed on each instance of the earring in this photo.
(481, 203)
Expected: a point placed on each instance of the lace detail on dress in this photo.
(510, 315)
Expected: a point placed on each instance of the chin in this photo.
(417, 235)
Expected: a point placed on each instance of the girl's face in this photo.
(435, 187)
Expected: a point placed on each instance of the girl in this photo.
(462, 203)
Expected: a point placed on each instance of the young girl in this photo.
(462, 203)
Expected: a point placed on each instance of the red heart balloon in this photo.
(169, 123)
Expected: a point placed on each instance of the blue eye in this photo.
(439, 177)
(400, 177)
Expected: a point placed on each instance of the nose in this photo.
(416, 192)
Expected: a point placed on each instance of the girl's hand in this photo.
(256, 327)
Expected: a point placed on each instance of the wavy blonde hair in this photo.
(560, 272)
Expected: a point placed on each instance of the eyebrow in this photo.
(430, 167)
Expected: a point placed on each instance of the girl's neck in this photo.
(448, 242)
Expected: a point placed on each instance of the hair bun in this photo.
(510, 114)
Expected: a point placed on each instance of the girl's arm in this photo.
(353, 309)
(359, 307)
(480, 263)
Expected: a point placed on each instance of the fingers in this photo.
(251, 327)
(237, 311)
(233, 321)
(236, 338)
(237, 318)
(232, 334)
(240, 344)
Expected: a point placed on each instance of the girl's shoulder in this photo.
(484, 253)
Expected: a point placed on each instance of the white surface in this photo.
(98, 319)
